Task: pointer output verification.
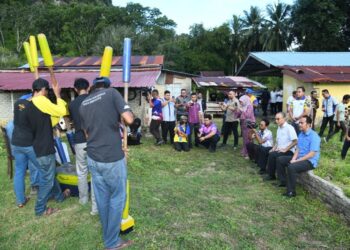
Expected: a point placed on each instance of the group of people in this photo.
(96, 113)
(184, 120)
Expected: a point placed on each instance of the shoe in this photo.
(234, 148)
(159, 143)
(121, 245)
(222, 145)
(279, 184)
(261, 172)
(289, 194)
(34, 190)
(93, 213)
(270, 178)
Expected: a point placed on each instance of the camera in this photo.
(251, 125)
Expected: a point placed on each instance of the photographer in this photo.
(208, 135)
(157, 116)
(260, 152)
(182, 132)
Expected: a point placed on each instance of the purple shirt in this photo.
(193, 112)
(204, 130)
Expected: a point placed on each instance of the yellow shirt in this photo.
(56, 111)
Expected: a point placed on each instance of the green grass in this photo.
(194, 200)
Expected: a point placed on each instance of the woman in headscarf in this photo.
(247, 115)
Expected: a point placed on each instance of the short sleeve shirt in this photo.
(182, 110)
(100, 117)
(285, 135)
(309, 141)
(266, 136)
(205, 130)
(341, 109)
(232, 115)
(79, 135)
(299, 105)
(157, 107)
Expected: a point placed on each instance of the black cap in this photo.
(39, 84)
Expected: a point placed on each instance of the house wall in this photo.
(337, 90)
(174, 83)
(7, 99)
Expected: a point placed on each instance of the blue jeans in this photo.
(48, 185)
(110, 193)
(23, 156)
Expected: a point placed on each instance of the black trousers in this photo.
(273, 108)
(271, 162)
(264, 108)
(287, 172)
(228, 128)
(325, 121)
(346, 146)
(263, 155)
(342, 127)
(211, 143)
(154, 129)
(168, 127)
(253, 151)
(182, 146)
(194, 127)
(279, 106)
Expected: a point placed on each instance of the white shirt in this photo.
(290, 100)
(267, 135)
(273, 97)
(299, 105)
(279, 98)
(168, 111)
(285, 135)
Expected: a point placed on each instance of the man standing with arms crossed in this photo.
(101, 113)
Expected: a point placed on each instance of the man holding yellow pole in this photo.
(100, 115)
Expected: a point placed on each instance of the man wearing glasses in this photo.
(285, 141)
(305, 157)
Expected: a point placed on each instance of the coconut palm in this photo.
(277, 27)
(237, 50)
(252, 29)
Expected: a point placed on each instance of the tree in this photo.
(252, 29)
(236, 49)
(276, 35)
(318, 25)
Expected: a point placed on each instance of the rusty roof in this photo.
(211, 73)
(15, 81)
(318, 73)
(95, 61)
(227, 82)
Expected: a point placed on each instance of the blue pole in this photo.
(126, 60)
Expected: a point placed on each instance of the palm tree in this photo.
(237, 50)
(277, 27)
(252, 29)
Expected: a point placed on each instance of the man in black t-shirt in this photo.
(40, 111)
(100, 115)
(81, 87)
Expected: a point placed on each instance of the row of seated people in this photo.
(290, 155)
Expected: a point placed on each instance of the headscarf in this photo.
(245, 100)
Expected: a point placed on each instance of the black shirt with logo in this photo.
(22, 134)
(100, 117)
(79, 135)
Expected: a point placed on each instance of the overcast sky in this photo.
(211, 13)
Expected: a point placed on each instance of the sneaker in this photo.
(222, 145)
(93, 213)
(160, 143)
(270, 178)
(234, 148)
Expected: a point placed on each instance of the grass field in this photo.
(195, 200)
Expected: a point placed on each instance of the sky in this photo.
(211, 13)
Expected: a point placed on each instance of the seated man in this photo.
(285, 141)
(182, 132)
(260, 152)
(208, 134)
(305, 157)
(134, 132)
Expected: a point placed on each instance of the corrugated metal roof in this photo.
(303, 58)
(318, 73)
(212, 73)
(227, 81)
(95, 61)
(23, 80)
